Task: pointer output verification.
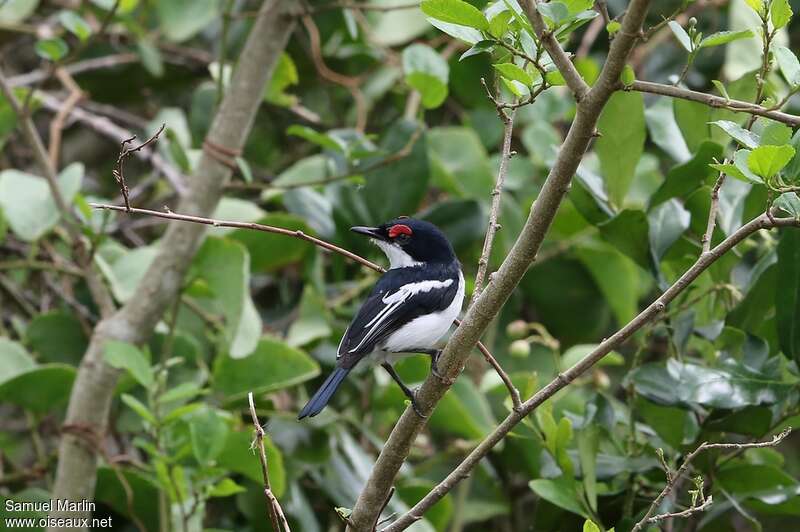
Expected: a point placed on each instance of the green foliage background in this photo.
(264, 313)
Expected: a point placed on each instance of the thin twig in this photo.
(57, 125)
(675, 478)
(124, 153)
(276, 515)
(712, 214)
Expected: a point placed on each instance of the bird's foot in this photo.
(447, 381)
(413, 399)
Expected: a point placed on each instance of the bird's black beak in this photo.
(372, 232)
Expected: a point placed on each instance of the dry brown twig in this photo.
(58, 123)
(674, 478)
(124, 153)
(276, 515)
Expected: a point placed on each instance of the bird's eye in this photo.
(400, 231)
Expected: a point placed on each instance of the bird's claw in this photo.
(447, 381)
(415, 405)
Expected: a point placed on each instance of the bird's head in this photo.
(409, 242)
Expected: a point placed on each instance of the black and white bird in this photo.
(411, 307)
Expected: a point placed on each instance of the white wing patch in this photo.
(394, 301)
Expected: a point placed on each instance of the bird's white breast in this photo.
(423, 332)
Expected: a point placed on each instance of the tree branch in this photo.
(562, 61)
(93, 390)
(563, 379)
(673, 479)
(710, 100)
(505, 280)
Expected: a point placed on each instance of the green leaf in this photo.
(740, 162)
(560, 492)
(724, 37)
(685, 178)
(788, 63)
(274, 365)
(208, 432)
(312, 321)
(780, 12)
(776, 134)
(622, 126)
(320, 139)
(739, 134)
(225, 265)
(616, 276)
(455, 12)
(427, 72)
(183, 19)
(459, 161)
(664, 130)
(789, 203)
(225, 488)
(463, 411)
(667, 222)
(127, 271)
(721, 88)
(139, 493)
(52, 49)
(40, 389)
(588, 444)
(681, 35)
(554, 12)
(413, 490)
(498, 25)
(122, 355)
(732, 385)
(237, 457)
(151, 56)
(613, 27)
(756, 5)
(284, 76)
(589, 526)
(27, 203)
(14, 359)
(478, 48)
(787, 295)
(270, 252)
(629, 232)
(140, 408)
(512, 71)
(75, 24)
(16, 11)
(468, 35)
(767, 161)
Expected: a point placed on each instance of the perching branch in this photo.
(673, 479)
(716, 102)
(276, 515)
(124, 153)
(93, 390)
(505, 280)
(606, 346)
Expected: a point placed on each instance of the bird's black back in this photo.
(420, 304)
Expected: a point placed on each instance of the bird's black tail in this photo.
(324, 394)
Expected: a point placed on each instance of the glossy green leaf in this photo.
(284, 76)
(122, 355)
(14, 359)
(27, 203)
(685, 178)
(787, 295)
(237, 457)
(139, 408)
(623, 132)
(561, 492)
(40, 389)
(312, 321)
(767, 161)
(455, 12)
(629, 232)
(75, 24)
(274, 365)
(739, 134)
(463, 411)
(780, 13)
(183, 19)
(788, 63)
(724, 37)
(667, 223)
(681, 35)
(208, 432)
(53, 49)
(320, 139)
(427, 72)
(512, 71)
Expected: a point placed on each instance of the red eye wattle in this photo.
(399, 229)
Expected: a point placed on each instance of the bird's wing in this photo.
(385, 311)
